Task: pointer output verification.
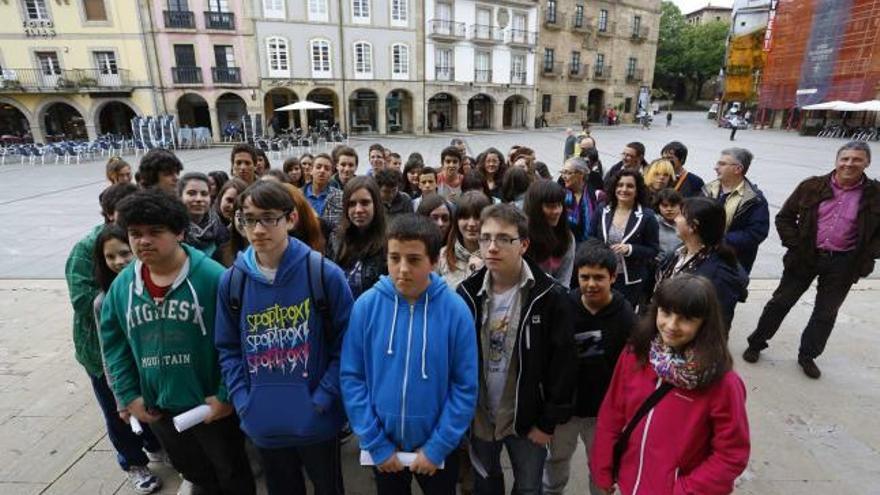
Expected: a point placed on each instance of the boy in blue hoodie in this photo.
(409, 366)
(278, 350)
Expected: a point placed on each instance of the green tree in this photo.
(703, 56)
(670, 47)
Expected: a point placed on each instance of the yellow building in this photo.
(72, 68)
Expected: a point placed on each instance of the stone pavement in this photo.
(808, 437)
(44, 210)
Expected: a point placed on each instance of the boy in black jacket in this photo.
(602, 323)
(526, 349)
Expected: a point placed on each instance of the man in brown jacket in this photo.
(831, 227)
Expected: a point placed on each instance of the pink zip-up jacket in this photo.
(693, 441)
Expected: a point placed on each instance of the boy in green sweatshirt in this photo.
(157, 331)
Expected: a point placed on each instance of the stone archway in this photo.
(399, 111)
(326, 117)
(114, 117)
(15, 126)
(480, 108)
(595, 105)
(516, 109)
(193, 111)
(442, 112)
(277, 98)
(61, 121)
(230, 108)
(364, 107)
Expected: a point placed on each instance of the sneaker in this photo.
(159, 456)
(809, 367)
(143, 480)
(752, 354)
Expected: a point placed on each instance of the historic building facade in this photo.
(72, 69)
(594, 56)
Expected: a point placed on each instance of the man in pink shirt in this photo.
(831, 228)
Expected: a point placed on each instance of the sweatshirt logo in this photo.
(173, 309)
(278, 339)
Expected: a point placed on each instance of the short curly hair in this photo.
(152, 207)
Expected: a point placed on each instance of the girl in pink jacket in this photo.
(695, 440)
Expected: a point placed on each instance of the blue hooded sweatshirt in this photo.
(409, 371)
(281, 373)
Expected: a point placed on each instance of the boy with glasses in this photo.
(524, 335)
(157, 335)
(281, 317)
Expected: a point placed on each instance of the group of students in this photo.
(429, 309)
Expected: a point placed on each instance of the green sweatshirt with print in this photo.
(164, 352)
(79, 271)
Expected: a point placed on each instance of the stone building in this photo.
(594, 56)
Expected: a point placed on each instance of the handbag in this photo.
(623, 439)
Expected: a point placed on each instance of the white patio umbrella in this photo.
(828, 105)
(303, 105)
(869, 106)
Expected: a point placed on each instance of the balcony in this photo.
(578, 71)
(640, 34)
(446, 74)
(486, 34)
(583, 24)
(180, 19)
(635, 76)
(517, 77)
(226, 75)
(608, 30)
(482, 76)
(522, 38)
(65, 81)
(187, 75)
(554, 20)
(553, 69)
(220, 20)
(602, 73)
(450, 30)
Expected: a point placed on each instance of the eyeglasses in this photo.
(251, 223)
(501, 241)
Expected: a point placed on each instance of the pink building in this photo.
(202, 56)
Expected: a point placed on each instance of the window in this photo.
(603, 20)
(444, 11)
(627, 105)
(637, 25)
(575, 62)
(549, 56)
(49, 64)
(363, 60)
(551, 11)
(279, 57)
(318, 11)
(399, 61)
(185, 55)
(95, 10)
(218, 5)
(360, 11)
(483, 67)
(224, 56)
(273, 9)
(572, 104)
(443, 64)
(600, 62)
(546, 101)
(320, 58)
(178, 6)
(518, 63)
(36, 10)
(106, 63)
(631, 67)
(399, 12)
(579, 16)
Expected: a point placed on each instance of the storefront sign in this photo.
(39, 29)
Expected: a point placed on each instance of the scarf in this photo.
(579, 214)
(464, 256)
(678, 368)
(210, 231)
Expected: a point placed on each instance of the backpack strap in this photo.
(623, 439)
(236, 292)
(315, 271)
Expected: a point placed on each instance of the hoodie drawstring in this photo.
(425, 336)
(128, 310)
(198, 308)
(393, 325)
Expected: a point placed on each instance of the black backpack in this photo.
(315, 273)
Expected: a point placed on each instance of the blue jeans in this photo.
(526, 458)
(129, 447)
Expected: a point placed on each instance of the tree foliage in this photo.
(687, 55)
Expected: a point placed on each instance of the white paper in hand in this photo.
(405, 458)
(194, 416)
(136, 427)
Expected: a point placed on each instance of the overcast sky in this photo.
(688, 6)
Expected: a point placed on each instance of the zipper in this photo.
(644, 441)
(406, 376)
(519, 371)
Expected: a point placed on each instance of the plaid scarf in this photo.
(678, 368)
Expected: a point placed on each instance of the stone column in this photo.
(498, 117)
(530, 114)
(461, 123)
(303, 119)
(90, 131)
(215, 125)
(382, 117)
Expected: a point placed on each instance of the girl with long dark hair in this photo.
(551, 243)
(695, 439)
(460, 257)
(358, 246)
(206, 231)
(492, 167)
(438, 210)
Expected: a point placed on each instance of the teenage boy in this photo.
(450, 179)
(377, 158)
(427, 185)
(602, 323)
(409, 366)
(244, 162)
(527, 360)
(157, 331)
(395, 162)
(346, 160)
(279, 345)
(160, 168)
(395, 202)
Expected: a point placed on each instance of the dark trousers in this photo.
(321, 461)
(211, 456)
(526, 458)
(441, 483)
(129, 447)
(835, 273)
(733, 132)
